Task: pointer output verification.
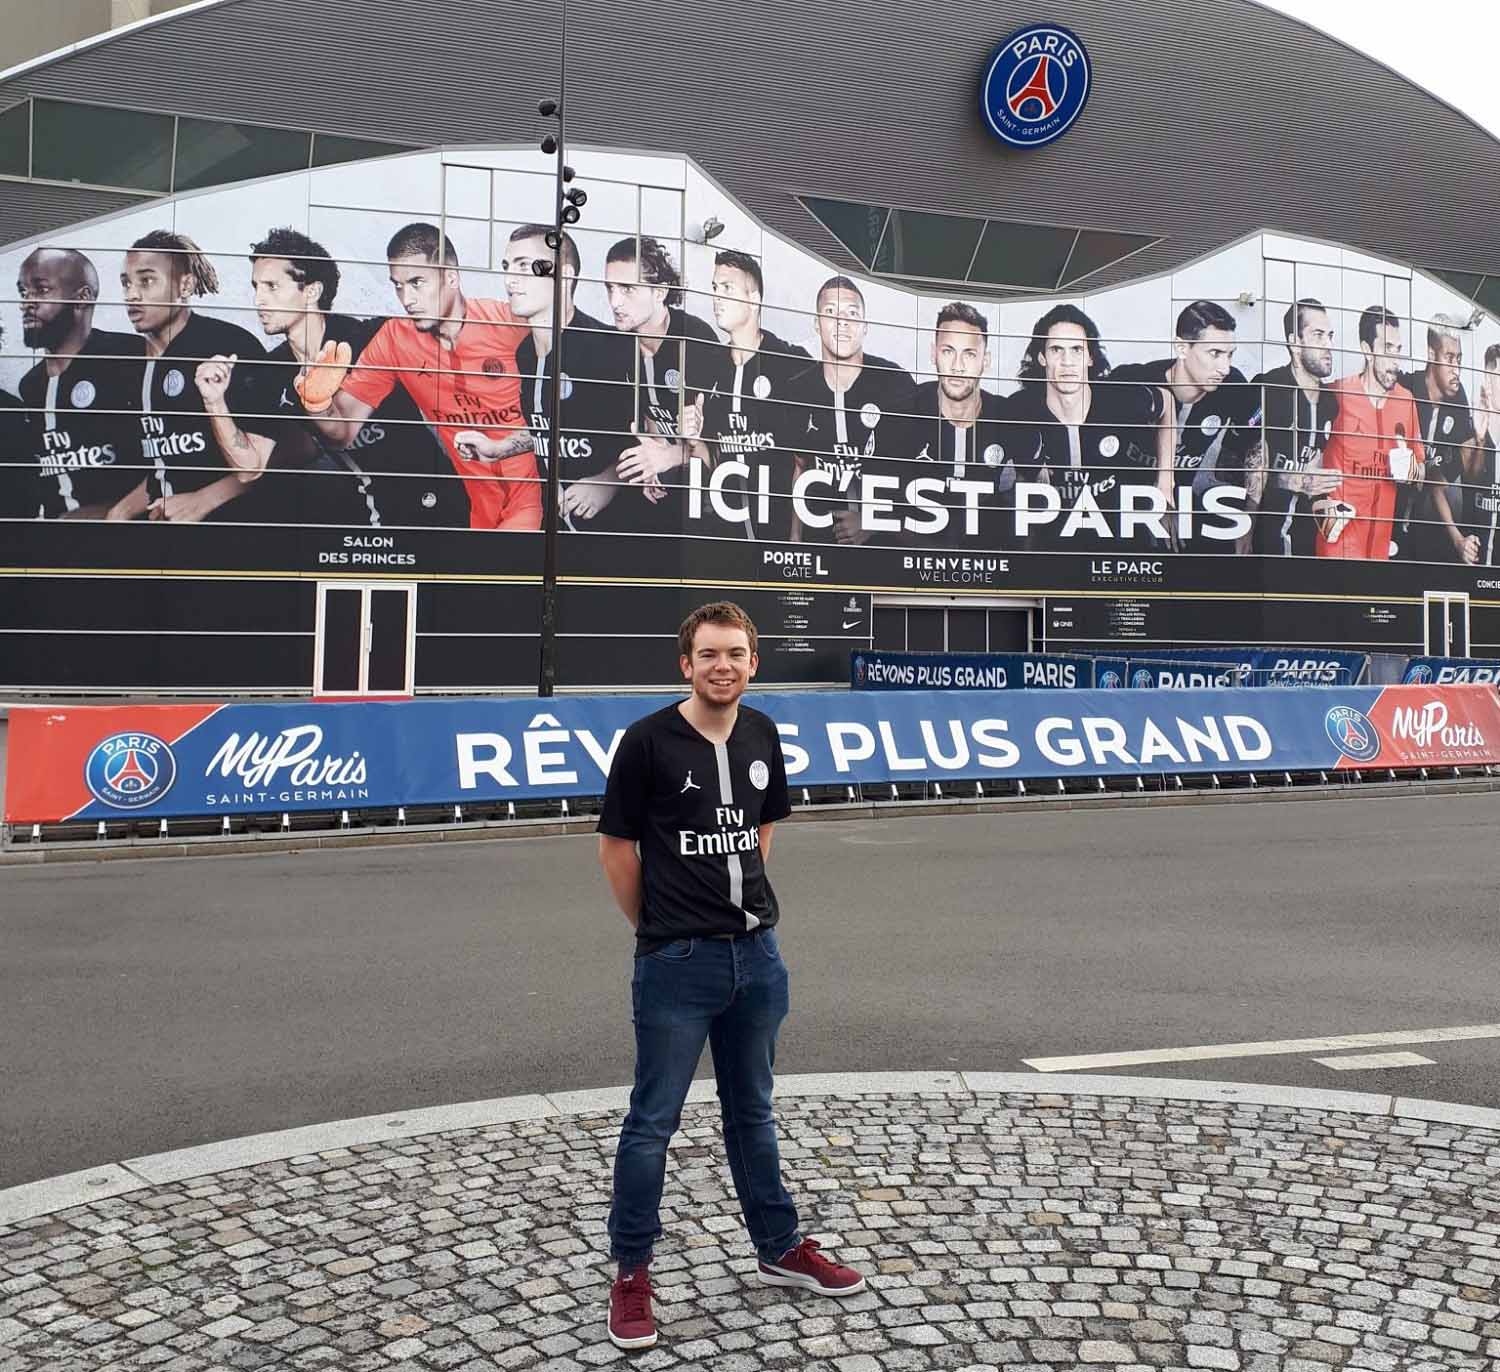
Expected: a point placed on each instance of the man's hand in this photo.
(1314, 483)
(691, 427)
(1467, 546)
(212, 378)
(318, 382)
(584, 499)
(191, 507)
(480, 447)
(648, 459)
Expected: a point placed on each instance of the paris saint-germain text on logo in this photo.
(1035, 85)
(130, 771)
(1352, 733)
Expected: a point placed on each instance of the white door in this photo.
(365, 638)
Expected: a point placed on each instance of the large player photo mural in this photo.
(368, 349)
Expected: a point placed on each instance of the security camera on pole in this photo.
(568, 204)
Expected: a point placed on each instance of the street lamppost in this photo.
(568, 203)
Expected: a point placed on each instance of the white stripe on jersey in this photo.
(64, 481)
(736, 871)
(159, 463)
(960, 450)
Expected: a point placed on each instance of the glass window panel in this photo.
(1022, 254)
(857, 227)
(1488, 295)
(15, 140)
(661, 213)
(1008, 631)
(966, 631)
(329, 149)
(211, 153)
(924, 630)
(938, 245)
(889, 625)
(1465, 283)
(101, 146)
(1096, 249)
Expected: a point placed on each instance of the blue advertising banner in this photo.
(873, 670)
(1188, 669)
(115, 761)
(1442, 671)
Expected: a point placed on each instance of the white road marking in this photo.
(1208, 1052)
(1367, 1060)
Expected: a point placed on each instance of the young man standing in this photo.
(686, 828)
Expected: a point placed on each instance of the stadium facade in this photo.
(1213, 367)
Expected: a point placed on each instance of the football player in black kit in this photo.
(743, 412)
(1479, 493)
(1092, 439)
(1214, 407)
(393, 474)
(960, 428)
(17, 479)
(1296, 419)
(645, 295)
(1426, 526)
(854, 420)
(188, 477)
(598, 373)
(81, 398)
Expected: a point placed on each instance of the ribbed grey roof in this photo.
(1204, 122)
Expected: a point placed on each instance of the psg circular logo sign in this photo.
(1419, 675)
(130, 771)
(1035, 86)
(1351, 733)
(1111, 680)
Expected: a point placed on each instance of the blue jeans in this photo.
(732, 992)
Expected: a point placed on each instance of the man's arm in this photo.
(765, 841)
(192, 507)
(1166, 448)
(1465, 546)
(131, 505)
(622, 868)
(247, 453)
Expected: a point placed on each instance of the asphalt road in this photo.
(153, 1005)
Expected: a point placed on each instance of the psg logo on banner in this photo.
(130, 771)
(1352, 733)
(1035, 85)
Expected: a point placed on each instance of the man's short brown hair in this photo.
(724, 612)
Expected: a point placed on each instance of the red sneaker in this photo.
(631, 1323)
(805, 1266)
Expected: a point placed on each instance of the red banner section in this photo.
(1433, 726)
(51, 755)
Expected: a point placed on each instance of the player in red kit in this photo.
(1376, 444)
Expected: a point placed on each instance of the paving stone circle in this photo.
(1006, 1232)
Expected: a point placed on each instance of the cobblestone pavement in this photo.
(999, 1231)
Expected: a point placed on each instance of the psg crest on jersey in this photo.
(1351, 733)
(130, 771)
(1035, 85)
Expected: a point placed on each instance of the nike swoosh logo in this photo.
(850, 623)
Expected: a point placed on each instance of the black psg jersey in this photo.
(745, 419)
(696, 808)
(685, 365)
(1087, 464)
(1478, 500)
(1295, 431)
(1447, 427)
(1212, 432)
(598, 402)
(864, 429)
(978, 452)
(177, 444)
(674, 375)
(82, 425)
(18, 496)
(394, 474)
